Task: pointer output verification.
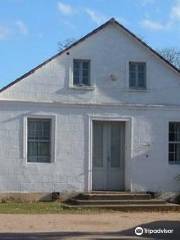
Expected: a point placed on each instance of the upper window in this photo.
(137, 75)
(81, 72)
(39, 140)
(174, 142)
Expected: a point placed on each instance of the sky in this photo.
(31, 29)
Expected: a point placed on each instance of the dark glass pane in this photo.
(132, 67)
(141, 67)
(174, 131)
(76, 80)
(32, 151)
(132, 79)
(86, 72)
(177, 152)
(86, 65)
(171, 147)
(76, 64)
(98, 145)
(171, 137)
(85, 80)
(171, 157)
(115, 145)
(31, 129)
(141, 80)
(76, 72)
(177, 131)
(43, 149)
(171, 127)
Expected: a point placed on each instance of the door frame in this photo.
(127, 147)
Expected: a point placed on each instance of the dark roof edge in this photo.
(112, 20)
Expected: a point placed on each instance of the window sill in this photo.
(43, 163)
(143, 90)
(88, 88)
(174, 163)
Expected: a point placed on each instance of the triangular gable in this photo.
(111, 21)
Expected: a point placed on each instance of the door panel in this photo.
(98, 157)
(108, 155)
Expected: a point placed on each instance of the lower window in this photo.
(174, 142)
(38, 140)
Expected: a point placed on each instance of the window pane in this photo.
(141, 75)
(132, 67)
(174, 131)
(141, 79)
(76, 72)
(85, 64)
(85, 80)
(43, 148)
(32, 151)
(141, 67)
(132, 79)
(177, 152)
(171, 147)
(171, 157)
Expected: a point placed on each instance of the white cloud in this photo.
(65, 9)
(4, 32)
(96, 17)
(173, 19)
(22, 27)
(153, 25)
(175, 11)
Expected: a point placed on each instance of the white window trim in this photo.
(53, 137)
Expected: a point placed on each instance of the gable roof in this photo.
(112, 20)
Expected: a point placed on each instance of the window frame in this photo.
(52, 138)
(137, 87)
(81, 84)
(172, 142)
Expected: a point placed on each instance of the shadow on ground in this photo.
(125, 234)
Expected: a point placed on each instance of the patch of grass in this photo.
(43, 208)
(32, 208)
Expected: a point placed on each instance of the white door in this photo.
(108, 155)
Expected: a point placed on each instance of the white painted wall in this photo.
(70, 169)
(48, 91)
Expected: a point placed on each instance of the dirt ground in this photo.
(117, 221)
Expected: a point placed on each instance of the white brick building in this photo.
(104, 114)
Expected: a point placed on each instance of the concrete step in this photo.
(131, 207)
(116, 202)
(114, 196)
